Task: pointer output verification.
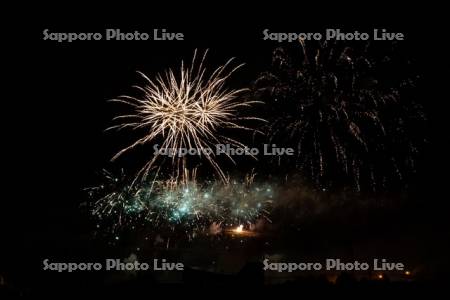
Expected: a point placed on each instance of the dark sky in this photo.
(59, 111)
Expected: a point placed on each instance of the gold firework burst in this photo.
(186, 111)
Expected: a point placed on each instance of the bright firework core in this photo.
(239, 229)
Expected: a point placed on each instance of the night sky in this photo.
(56, 123)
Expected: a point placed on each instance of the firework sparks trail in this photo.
(186, 110)
(343, 113)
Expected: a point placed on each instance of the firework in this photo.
(184, 205)
(185, 110)
(349, 114)
(115, 197)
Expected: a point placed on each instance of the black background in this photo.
(57, 112)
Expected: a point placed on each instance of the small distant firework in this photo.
(348, 113)
(185, 110)
(184, 204)
(115, 197)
